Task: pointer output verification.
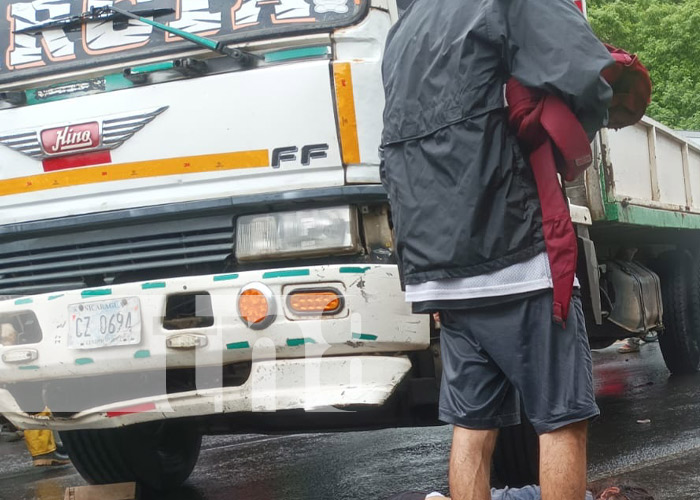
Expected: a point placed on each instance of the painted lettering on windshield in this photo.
(94, 43)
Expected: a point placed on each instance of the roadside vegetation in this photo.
(666, 36)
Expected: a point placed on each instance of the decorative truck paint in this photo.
(120, 41)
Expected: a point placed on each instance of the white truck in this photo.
(194, 239)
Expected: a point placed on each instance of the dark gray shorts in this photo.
(495, 358)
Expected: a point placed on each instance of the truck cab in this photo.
(196, 241)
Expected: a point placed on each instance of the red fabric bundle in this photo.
(631, 86)
(543, 123)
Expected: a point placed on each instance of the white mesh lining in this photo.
(527, 276)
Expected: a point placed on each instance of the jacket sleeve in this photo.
(548, 44)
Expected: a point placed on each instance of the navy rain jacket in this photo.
(463, 198)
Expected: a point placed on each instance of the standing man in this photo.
(468, 223)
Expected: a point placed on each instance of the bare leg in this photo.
(563, 463)
(470, 463)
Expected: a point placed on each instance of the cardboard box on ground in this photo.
(120, 491)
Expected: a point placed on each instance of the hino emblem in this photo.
(69, 139)
(104, 133)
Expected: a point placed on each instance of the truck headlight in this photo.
(301, 233)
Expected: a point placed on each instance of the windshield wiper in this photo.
(94, 14)
(108, 13)
(244, 58)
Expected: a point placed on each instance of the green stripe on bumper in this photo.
(151, 286)
(238, 345)
(364, 336)
(225, 277)
(287, 273)
(298, 342)
(96, 293)
(354, 270)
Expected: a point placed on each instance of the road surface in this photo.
(662, 455)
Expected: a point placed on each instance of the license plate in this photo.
(106, 323)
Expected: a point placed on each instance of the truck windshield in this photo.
(93, 44)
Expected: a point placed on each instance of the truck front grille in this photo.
(114, 255)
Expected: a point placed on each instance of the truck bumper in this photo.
(314, 384)
(352, 357)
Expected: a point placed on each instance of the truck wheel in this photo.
(516, 458)
(680, 291)
(160, 455)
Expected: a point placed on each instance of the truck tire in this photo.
(680, 291)
(159, 455)
(516, 458)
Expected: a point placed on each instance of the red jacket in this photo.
(545, 125)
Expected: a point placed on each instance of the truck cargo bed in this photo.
(645, 175)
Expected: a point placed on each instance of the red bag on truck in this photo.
(631, 86)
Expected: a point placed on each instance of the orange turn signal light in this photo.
(253, 306)
(315, 302)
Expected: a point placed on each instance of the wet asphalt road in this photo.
(663, 455)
